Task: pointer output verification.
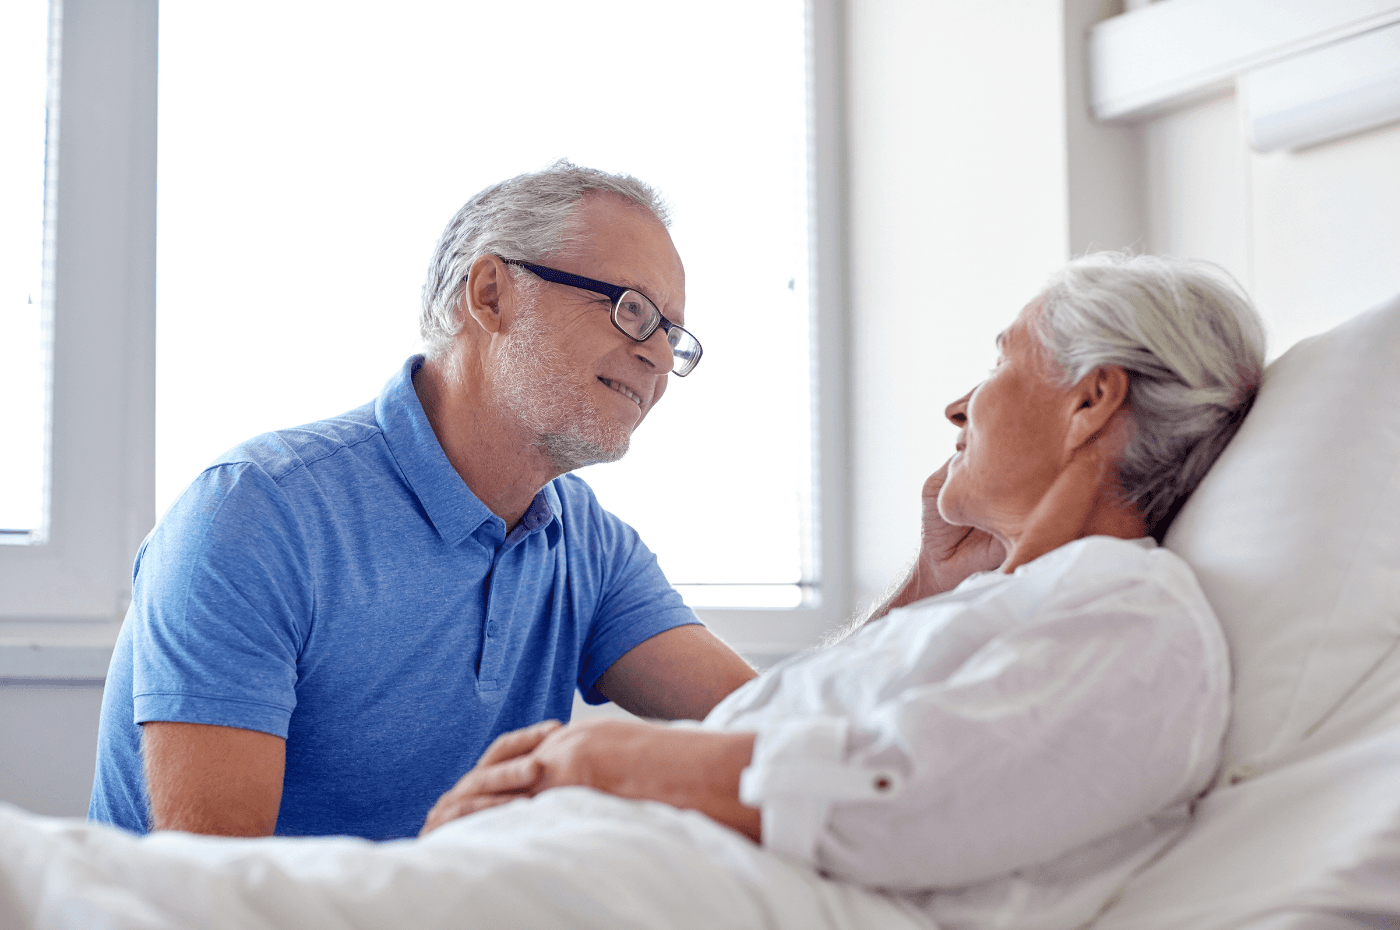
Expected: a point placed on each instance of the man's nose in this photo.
(956, 412)
(656, 352)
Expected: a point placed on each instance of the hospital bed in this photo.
(1295, 536)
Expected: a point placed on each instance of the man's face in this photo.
(579, 384)
(1014, 428)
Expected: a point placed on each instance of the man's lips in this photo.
(624, 390)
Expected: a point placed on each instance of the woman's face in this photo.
(1014, 438)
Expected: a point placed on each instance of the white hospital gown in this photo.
(1012, 751)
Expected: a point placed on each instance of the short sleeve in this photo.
(634, 600)
(222, 604)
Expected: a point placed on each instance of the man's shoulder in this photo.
(592, 531)
(282, 452)
(580, 511)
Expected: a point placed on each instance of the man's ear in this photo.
(1097, 397)
(488, 288)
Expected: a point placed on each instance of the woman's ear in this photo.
(487, 287)
(1097, 397)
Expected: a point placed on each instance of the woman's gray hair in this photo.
(1192, 345)
(526, 218)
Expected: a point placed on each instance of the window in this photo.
(322, 134)
(307, 170)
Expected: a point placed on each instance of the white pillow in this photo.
(1295, 536)
(1301, 848)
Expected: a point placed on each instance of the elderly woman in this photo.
(1027, 718)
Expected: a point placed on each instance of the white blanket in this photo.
(570, 858)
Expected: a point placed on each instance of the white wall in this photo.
(1313, 235)
(48, 744)
(957, 160)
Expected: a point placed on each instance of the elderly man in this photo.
(1043, 697)
(334, 621)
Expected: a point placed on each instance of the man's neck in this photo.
(488, 448)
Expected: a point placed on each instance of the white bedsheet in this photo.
(570, 858)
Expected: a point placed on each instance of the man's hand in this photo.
(506, 771)
(208, 779)
(692, 769)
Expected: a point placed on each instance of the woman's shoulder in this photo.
(1107, 556)
(1123, 572)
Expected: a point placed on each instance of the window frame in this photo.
(64, 598)
(769, 635)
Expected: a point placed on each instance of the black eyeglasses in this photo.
(633, 314)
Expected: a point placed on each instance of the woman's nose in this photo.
(956, 412)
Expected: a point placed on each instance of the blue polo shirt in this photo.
(338, 585)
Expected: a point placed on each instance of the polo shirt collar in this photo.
(455, 512)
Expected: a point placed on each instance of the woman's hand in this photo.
(948, 554)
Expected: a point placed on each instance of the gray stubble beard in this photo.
(524, 372)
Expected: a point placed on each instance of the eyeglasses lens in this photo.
(638, 317)
(635, 315)
(685, 349)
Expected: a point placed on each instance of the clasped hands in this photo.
(694, 769)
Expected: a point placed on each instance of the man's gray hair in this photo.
(1192, 345)
(526, 218)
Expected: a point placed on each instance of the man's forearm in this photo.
(679, 674)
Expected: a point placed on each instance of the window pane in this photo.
(307, 169)
(24, 359)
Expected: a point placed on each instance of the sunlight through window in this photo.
(311, 154)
